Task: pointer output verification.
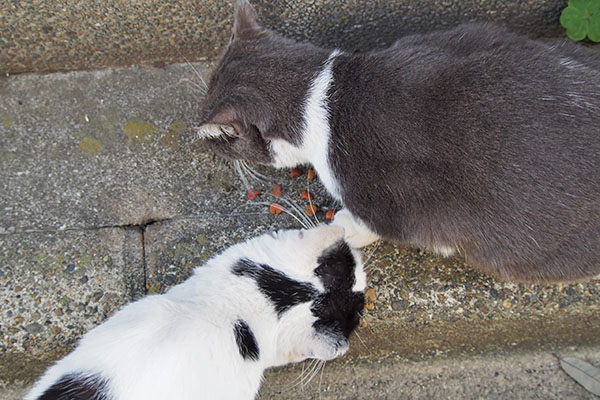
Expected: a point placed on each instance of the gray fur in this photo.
(473, 138)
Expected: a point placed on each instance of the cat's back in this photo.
(474, 60)
(482, 82)
(161, 347)
(497, 137)
(486, 41)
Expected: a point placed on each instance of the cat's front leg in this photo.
(357, 234)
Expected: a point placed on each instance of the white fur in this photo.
(314, 148)
(444, 251)
(181, 345)
(213, 131)
(357, 234)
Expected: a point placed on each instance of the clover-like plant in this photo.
(581, 18)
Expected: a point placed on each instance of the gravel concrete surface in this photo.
(53, 35)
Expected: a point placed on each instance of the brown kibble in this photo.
(311, 174)
(306, 195)
(363, 324)
(275, 208)
(369, 306)
(252, 194)
(311, 210)
(506, 304)
(370, 295)
(295, 172)
(329, 215)
(277, 191)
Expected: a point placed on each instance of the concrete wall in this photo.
(53, 35)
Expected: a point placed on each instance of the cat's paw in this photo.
(356, 233)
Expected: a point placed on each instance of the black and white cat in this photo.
(282, 297)
(474, 139)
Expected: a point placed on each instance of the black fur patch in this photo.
(336, 267)
(246, 341)
(337, 310)
(76, 387)
(281, 290)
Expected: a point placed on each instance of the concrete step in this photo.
(105, 196)
(512, 375)
(56, 36)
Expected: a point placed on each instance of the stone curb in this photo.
(49, 36)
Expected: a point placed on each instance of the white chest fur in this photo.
(316, 132)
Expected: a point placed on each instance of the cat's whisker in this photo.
(313, 373)
(296, 380)
(254, 174)
(260, 178)
(362, 342)
(292, 205)
(238, 169)
(244, 166)
(307, 366)
(200, 88)
(301, 222)
(310, 372)
(310, 201)
(247, 171)
(205, 86)
(300, 378)
(366, 264)
(321, 378)
(198, 74)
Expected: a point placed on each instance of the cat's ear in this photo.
(222, 124)
(245, 21)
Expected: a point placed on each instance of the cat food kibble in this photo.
(311, 174)
(252, 194)
(275, 208)
(306, 195)
(311, 210)
(277, 191)
(370, 295)
(295, 172)
(329, 215)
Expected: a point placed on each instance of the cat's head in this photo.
(316, 284)
(256, 94)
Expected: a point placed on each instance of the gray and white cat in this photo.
(474, 139)
(282, 297)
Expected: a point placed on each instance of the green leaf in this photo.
(578, 4)
(584, 373)
(580, 18)
(594, 28)
(594, 4)
(573, 21)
